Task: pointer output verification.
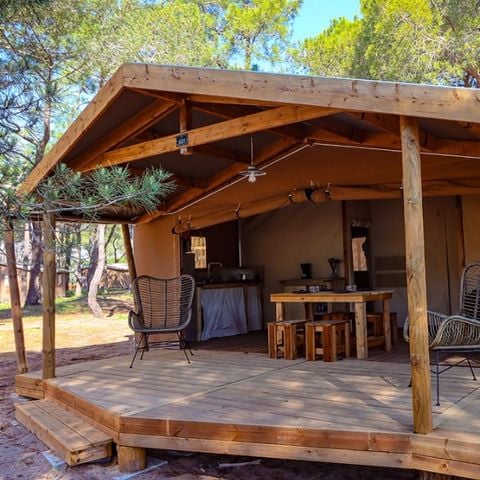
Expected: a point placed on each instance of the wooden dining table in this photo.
(358, 299)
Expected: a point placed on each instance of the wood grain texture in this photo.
(212, 133)
(131, 459)
(74, 440)
(17, 321)
(350, 411)
(130, 128)
(416, 279)
(398, 98)
(48, 291)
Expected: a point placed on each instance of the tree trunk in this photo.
(15, 299)
(80, 284)
(68, 255)
(34, 294)
(93, 257)
(27, 246)
(97, 275)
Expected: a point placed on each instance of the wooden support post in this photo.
(416, 280)
(185, 118)
(131, 459)
(361, 330)
(129, 252)
(279, 311)
(48, 291)
(22, 366)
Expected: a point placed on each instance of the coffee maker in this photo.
(306, 270)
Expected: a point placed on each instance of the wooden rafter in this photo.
(332, 131)
(233, 111)
(389, 123)
(207, 149)
(211, 133)
(192, 97)
(133, 126)
(453, 147)
(269, 152)
(473, 128)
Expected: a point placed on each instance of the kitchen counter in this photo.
(228, 308)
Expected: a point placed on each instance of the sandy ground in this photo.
(21, 454)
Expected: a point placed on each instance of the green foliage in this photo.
(398, 41)
(331, 52)
(426, 41)
(66, 191)
(258, 30)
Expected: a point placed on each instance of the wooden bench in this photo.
(286, 338)
(327, 338)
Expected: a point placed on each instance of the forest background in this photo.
(55, 55)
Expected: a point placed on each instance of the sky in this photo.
(315, 15)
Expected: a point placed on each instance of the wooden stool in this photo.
(334, 336)
(375, 322)
(286, 337)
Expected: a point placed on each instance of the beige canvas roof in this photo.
(340, 137)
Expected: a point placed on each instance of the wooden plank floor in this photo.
(218, 386)
(224, 398)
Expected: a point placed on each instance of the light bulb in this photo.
(251, 177)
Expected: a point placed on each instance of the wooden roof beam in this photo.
(388, 123)
(133, 126)
(473, 128)
(452, 147)
(248, 124)
(332, 131)
(426, 101)
(193, 97)
(232, 111)
(229, 173)
(208, 149)
(269, 152)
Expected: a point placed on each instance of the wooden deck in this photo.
(350, 411)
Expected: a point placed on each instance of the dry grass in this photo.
(75, 325)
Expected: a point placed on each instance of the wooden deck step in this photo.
(71, 438)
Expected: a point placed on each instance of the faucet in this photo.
(209, 268)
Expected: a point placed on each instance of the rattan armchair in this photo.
(458, 333)
(164, 306)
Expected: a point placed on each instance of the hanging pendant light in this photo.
(252, 172)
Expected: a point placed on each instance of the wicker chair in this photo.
(456, 333)
(164, 306)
